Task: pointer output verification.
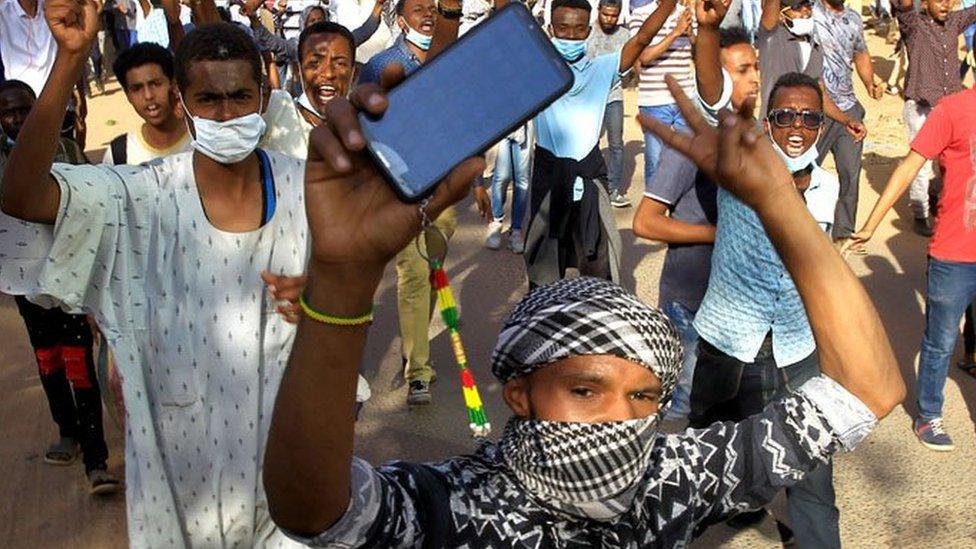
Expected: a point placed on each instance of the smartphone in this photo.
(480, 89)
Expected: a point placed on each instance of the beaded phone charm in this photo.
(436, 245)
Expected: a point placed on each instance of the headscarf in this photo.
(585, 470)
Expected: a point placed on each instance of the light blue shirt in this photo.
(750, 292)
(570, 127)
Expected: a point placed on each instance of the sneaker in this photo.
(418, 392)
(102, 483)
(923, 226)
(494, 239)
(618, 200)
(516, 242)
(933, 435)
(746, 519)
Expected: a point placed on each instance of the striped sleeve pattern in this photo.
(677, 61)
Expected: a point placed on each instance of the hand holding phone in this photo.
(466, 99)
(357, 223)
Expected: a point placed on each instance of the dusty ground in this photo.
(892, 492)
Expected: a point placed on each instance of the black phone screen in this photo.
(469, 97)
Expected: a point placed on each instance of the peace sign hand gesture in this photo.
(736, 156)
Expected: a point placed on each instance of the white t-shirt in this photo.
(197, 341)
(27, 47)
(677, 61)
(138, 151)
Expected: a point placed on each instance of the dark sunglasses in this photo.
(785, 118)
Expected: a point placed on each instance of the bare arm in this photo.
(633, 48)
(357, 226)
(770, 14)
(651, 54)
(652, 222)
(854, 126)
(29, 192)
(708, 65)
(854, 349)
(897, 184)
(173, 24)
(865, 71)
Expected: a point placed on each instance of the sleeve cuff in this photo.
(846, 415)
(658, 198)
(725, 99)
(366, 493)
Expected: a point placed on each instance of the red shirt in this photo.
(947, 135)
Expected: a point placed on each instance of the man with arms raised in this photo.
(572, 224)
(582, 363)
(167, 259)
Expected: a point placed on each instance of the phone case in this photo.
(381, 157)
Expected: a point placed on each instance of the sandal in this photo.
(967, 366)
(63, 452)
(102, 483)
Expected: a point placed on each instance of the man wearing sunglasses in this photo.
(755, 340)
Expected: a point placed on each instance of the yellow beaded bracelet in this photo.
(333, 320)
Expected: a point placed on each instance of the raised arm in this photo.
(651, 54)
(29, 192)
(357, 225)
(708, 65)
(770, 14)
(633, 48)
(371, 25)
(853, 347)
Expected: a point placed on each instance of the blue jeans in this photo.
(613, 123)
(667, 114)
(682, 317)
(513, 163)
(727, 389)
(951, 286)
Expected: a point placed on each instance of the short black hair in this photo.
(795, 80)
(574, 4)
(610, 4)
(8, 85)
(143, 53)
(326, 27)
(733, 36)
(216, 42)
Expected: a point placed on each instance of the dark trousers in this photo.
(969, 333)
(63, 347)
(727, 389)
(847, 157)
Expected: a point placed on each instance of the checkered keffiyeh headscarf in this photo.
(586, 316)
(589, 470)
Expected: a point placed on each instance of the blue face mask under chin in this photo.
(571, 50)
(422, 41)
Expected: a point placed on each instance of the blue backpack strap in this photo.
(267, 187)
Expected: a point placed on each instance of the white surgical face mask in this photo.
(799, 163)
(305, 101)
(230, 141)
(422, 41)
(801, 26)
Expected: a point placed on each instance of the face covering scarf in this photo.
(587, 470)
(230, 141)
(422, 41)
(571, 50)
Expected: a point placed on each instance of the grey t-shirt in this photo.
(690, 197)
(841, 36)
(600, 43)
(779, 53)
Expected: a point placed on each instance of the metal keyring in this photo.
(429, 230)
